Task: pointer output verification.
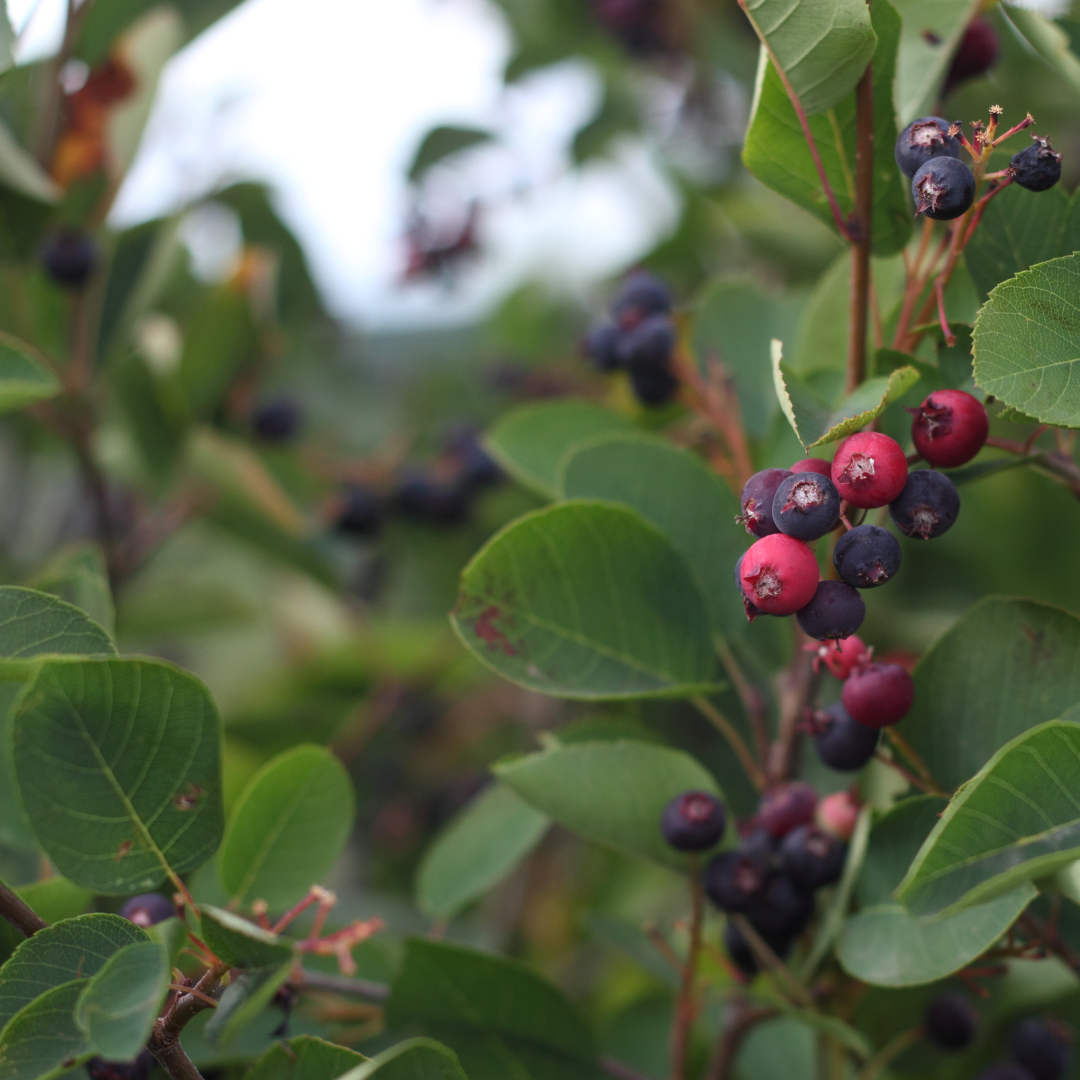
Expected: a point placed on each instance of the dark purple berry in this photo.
(693, 821)
(878, 695)
(276, 421)
(943, 188)
(1043, 1047)
(780, 912)
(139, 1069)
(866, 556)
(359, 513)
(787, 807)
(806, 505)
(1038, 167)
(653, 386)
(758, 494)
(928, 505)
(148, 909)
(951, 1021)
(69, 258)
(601, 346)
(835, 611)
(476, 468)
(733, 879)
(923, 139)
(433, 502)
(739, 951)
(1005, 1070)
(976, 54)
(640, 296)
(812, 858)
(645, 350)
(841, 742)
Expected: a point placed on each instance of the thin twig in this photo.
(860, 254)
(907, 774)
(344, 984)
(734, 740)
(900, 743)
(620, 1071)
(19, 914)
(753, 701)
(889, 1052)
(767, 958)
(686, 1006)
(797, 685)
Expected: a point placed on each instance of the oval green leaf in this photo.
(43, 1040)
(414, 1059)
(304, 1058)
(288, 828)
(242, 943)
(33, 623)
(118, 765)
(23, 380)
(587, 600)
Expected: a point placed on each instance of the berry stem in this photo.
(768, 959)
(939, 291)
(900, 743)
(22, 917)
(686, 1006)
(750, 696)
(889, 1052)
(860, 254)
(797, 684)
(734, 739)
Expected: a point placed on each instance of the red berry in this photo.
(976, 54)
(787, 807)
(813, 464)
(949, 428)
(878, 695)
(843, 657)
(869, 469)
(837, 814)
(779, 575)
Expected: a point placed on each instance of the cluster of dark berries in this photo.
(782, 858)
(443, 495)
(640, 339)
(1041, 1048)
(69, 258)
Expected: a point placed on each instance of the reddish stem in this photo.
(686, 1006)
(864, 204)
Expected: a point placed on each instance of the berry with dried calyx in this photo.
(835, 611)
(811, 857)
(1037, 167)
(601, 346)
(878, 695)
(943, 189)
(641, 295)
(842, 743)
(779, 575)
(148, 909)
(806, 506)
(837, 813)
(786, 807)
(813, 464)
(1043, 1047)
(866, 556)
(693, 821)
(733, 879)
(923, 139)
(752, 610)
(949, 428)
(843, 656)
(927, 507)
(976, 54)
(951, 1021)
(757, 498)
(869, 469)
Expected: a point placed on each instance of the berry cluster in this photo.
(640, 339)
(1041, 1048)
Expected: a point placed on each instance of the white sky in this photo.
(327, 100)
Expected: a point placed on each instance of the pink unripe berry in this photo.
(878, 695)
(844, 656)
(837, 814)
(779, 574)
(949, 428)
(787, 807)
(813, 464)
(869, 469)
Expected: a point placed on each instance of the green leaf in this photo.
(1027, 342)
(677, 492)
(610, 792)
(887, 945)
(304, 1058)
(242, 943)
(529, 442)
(1016, 820)
(477, 850)
(1050, 41)
(119, 1005)
(894, 841)
(781, 1049)
(866, 403)
(21, 172)
(243, 1000)
(43, 1040)
(118, 765)
(35, 624)
(776, 151)
(56, 898)
(442, 142)
(23, 380)
(414, 1059)
(823, 46)
(498, 1016)
(78, 576)
(72, 949)
(1004, 667)
(587, 600)
(288, 828)
(805, 412)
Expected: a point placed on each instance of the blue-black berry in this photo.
(601, 346)
(476, 468)
(806, 505)
(734, 879)
(139, 1069)
(811, 857)
(866, 556)
(148, 909)
(276, 421)
(433, 502)
(69, 258)
(841, 742)
(640, 296)
(645, 350)
(758, 495)
(1043, 1047)
(1037, 167)
(693, 821)
(943, 188)
(835, 611)
(780, 912)
(739, 951)
(359, 513)
(927, 507)
(923, 139)
(951, 1021)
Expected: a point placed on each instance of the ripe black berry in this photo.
(645, 350)
(601, 346)
(693, 821)
(786, 807)
(780, 912)
(943, 188)
(359, 513)
(1043, 1047)
(139, 1069)
(1038, 167)
(476, 468)
(69, 258)
(641, 295)
(739, 951)
(812, 858)
(928, 505)
(835, 611)
(276, 421)
(758, 495)
(433, 502)
(806, 505)
(976, 54)
(866, 556)
(733, 879)
(148, 909)
(653, 386)
(841, 742)
(923, 139)
(951, 1021)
